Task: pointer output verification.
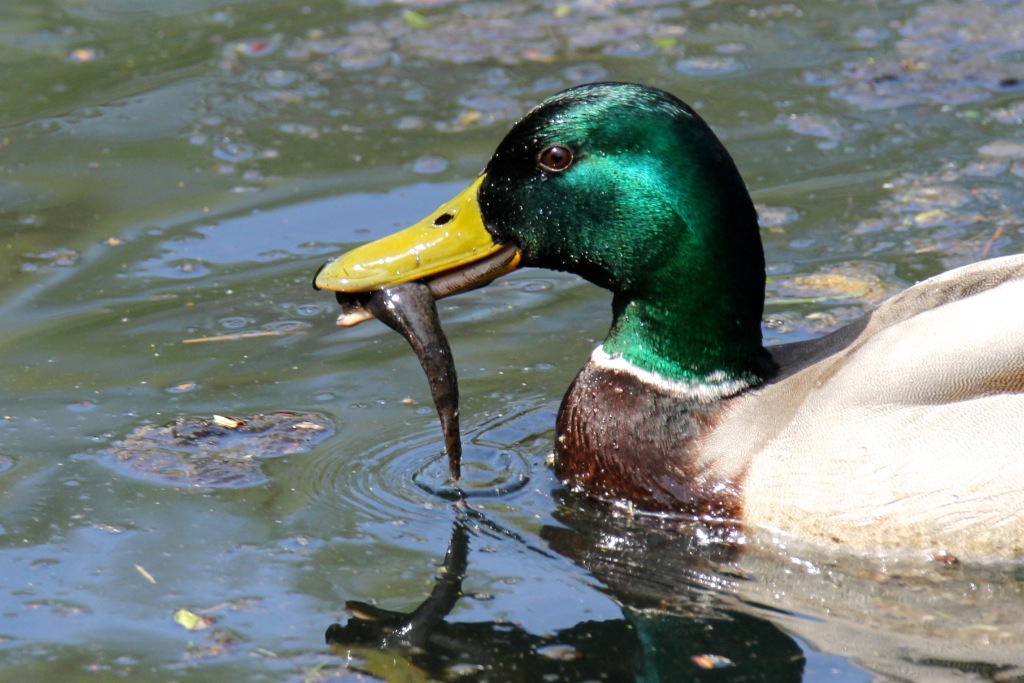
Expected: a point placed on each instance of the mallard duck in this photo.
(903, 431)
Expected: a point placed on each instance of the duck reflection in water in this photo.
(663, 636)
(696, 609)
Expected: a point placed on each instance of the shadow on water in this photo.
(695, 609)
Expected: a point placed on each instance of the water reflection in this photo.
(650, 642)
(698, 609)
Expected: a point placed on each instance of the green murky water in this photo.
(176, 171)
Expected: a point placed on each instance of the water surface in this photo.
(174, 172)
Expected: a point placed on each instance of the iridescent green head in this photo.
(644, 200)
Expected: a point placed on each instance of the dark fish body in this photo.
(410, 310)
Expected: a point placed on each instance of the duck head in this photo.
(624, 185)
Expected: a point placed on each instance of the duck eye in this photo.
(555, 158)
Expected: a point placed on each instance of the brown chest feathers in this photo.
(620, 441)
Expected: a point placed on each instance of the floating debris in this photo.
(559, 653)
(145, 574)
(51, 258)
(949, 53)
(82, 55)
(228, 422)
(945, 557)
(191, 620)
(241, 335)
(861, 283)
(712, 661)
(219, 452)
(949, 212)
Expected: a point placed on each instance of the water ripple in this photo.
(408, 478)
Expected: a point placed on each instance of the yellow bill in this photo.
(450, 250)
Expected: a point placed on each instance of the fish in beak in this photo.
(398, 278)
